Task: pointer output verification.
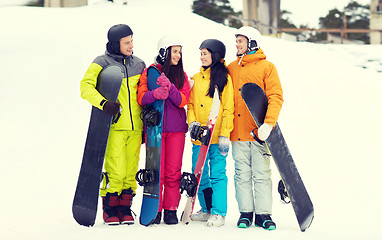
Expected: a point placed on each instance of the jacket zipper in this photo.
(128, 89)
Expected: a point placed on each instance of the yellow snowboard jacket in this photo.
(198, 107)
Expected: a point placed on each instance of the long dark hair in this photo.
(219, 78)
(174, 72)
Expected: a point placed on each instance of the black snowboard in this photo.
(257, 103)
(86, 197)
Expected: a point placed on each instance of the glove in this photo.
(224, 145)
(194, 129)
(164, 81)
(264, 131)
(161, 93)
(193, 125)
(111, 107)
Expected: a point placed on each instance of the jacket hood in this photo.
(247, 58)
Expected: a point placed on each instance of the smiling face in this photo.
(241, 44)
(205, 57)
(176, 54)
(126, 45)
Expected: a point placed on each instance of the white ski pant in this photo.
(253, 182)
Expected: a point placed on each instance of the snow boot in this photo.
(245, 220)
(158, 218)
(201, 216)
(125, 201)
(265, 221)
(216, 220)
(110, 208)
(170, 217)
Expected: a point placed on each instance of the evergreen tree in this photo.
(356, 15)
(285, 21)
(35, 3)
(216, 10)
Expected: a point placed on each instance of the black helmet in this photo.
(118, 31)
(216, 47)
(114, 34)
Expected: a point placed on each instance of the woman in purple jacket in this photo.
(175, 89)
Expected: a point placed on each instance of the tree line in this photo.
(354, 15)
(357, 17)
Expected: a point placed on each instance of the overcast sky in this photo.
(306, 11)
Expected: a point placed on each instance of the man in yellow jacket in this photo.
(125, 137)
(252, 159)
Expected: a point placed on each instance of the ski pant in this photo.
(171, 166)
(253, 182)
(121, 161)
(213, 176)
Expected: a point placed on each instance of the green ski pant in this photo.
(121, 161)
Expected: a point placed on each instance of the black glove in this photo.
(111, 107)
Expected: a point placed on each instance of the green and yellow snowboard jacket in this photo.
(132, 68)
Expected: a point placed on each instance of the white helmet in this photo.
(163, 44)
(253, 35)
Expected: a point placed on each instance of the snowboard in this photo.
(257, 104)
(85, 201)
(205, 140)
(149, 177)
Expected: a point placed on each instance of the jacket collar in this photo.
(248, 58)
(120, 58)
(206, 72)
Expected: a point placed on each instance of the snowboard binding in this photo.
(188, 183)
(283, 193)
(147, 177)
(150, 116)
(201, 133)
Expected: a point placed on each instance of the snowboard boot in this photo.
(200, 216)
(170, 217)
(265, 221)
(158, 218)
(216, 220)
(110, 208)
(125, 201)
(245, 220)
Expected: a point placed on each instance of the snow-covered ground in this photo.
(331, 120)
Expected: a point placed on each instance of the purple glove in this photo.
(161, 93)
(164, 81)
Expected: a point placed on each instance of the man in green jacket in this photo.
(125, 137)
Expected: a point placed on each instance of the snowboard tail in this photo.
(85, 201)
(257, 104)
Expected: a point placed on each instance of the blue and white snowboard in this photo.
(150, 176)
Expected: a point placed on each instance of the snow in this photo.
(331, 120)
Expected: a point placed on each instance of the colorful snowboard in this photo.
(150, 176)
(257, 103)
(86, 196)
(212, 118)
